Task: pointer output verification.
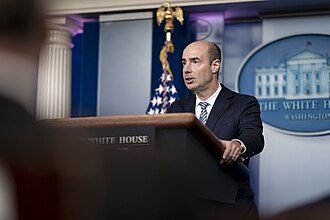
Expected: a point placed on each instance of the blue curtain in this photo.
(85, 71)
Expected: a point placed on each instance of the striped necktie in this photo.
(203, 115)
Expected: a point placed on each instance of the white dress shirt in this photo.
(210, 101)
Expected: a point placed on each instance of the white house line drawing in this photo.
(304, 75)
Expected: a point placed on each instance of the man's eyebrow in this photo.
(193, 58)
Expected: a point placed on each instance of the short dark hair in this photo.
(214, 52)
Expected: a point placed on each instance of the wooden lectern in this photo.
(179, 139)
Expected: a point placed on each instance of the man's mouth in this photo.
(189, 80)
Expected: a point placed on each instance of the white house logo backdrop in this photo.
(290, 77)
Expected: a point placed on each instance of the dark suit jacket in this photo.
(233, 116)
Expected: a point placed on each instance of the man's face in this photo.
(197, 71)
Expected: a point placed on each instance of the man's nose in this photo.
(186, 68)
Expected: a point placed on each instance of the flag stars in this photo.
(163, 111)
(159, 100)
(167, 89)
(165, 94)
(151, 112)
(154, 101)
(160, 89)
(162, 78)
(172, 99)
(173, 90)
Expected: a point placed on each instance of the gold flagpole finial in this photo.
(168, 13)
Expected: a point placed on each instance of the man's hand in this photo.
(232, 152)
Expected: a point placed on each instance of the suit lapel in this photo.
(221, 104)
(190, 105)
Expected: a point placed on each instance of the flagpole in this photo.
(167, 13)
(166, 92)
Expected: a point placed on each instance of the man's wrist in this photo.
(242, 145)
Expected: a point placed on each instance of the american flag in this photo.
(164, 95)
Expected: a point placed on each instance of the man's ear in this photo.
(215, 66)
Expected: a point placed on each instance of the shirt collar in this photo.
(211, 99)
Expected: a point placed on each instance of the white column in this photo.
(55, 69)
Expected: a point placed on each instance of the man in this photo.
(21, 35)
(44, 173)
(234, 118)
